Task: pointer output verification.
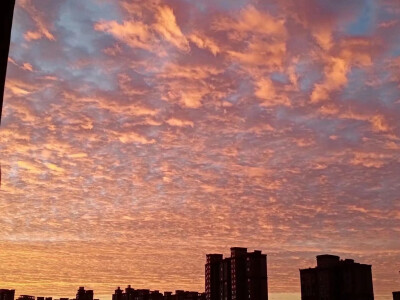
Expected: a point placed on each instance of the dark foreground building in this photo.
(335, 279)
(243, 276)
(396, 295)
(6, 17)
(7, 294)
(144, 294)
(83, 294)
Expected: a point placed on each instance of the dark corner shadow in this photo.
(6, 17)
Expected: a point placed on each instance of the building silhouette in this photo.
(396, 295)
(145, 294)
(83, 294)
(239, 277)
(26, 297)
(335, 279)
(7, 294)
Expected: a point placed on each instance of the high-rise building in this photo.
(225, 286)
(396, 295)
(256, 275)
(83, 294)
(7, 294)
(212, 276)
(335, 279)
(240, 277)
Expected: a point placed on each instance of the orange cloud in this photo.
(27, 67)
(265, 35)
(38, 17)
(335, 78)
(133, 137)
(204, 42)
(251, 20)
(179, 122)
(20, 88)
(134, 33)
(266, 91)
(168, 28)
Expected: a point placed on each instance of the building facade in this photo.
(335, 279)
(83, 294)
(396, 295)
(212, 276)
(241, 276)
(44, 298)
(7, 294)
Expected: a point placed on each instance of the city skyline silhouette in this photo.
(138, 136)
(244, 276)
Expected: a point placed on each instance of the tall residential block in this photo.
(336, 279)
(396, 295)
(242, 276)
(212, 276)
(83, 294)
(7, 294)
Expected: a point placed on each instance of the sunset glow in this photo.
(137, 136)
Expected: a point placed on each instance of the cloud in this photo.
(200, 125)
(133, 33)
(27, 67)
(167, 27)
(42, 27)
(20, 88)
(179, 123)
(138, 34)
(204, 42)
(266, 91)
(133, 137)
(335, 78)
(252, 20)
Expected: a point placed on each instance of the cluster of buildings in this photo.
(128, 294)
(143, 294)
(82, 294)
(243, 276)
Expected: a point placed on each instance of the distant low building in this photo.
(184, 295)
(335, 279)
(7, 294)
(44, 298)
(145, 294)
(396, 295)
(26, 297)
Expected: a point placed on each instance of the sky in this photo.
(137, 136)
